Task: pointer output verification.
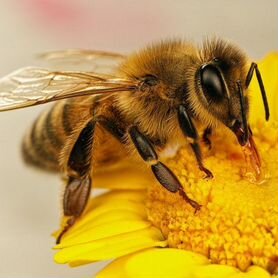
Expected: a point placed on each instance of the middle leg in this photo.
(162, 173)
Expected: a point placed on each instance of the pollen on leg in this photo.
(237, 223)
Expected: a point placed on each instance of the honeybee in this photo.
(156, 97)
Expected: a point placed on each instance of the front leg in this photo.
(191, 133)
(162, 173)
(78, 169)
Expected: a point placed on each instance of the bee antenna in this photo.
(243, 114)
(253, 67)
(261, 84)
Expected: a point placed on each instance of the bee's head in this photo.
(223, 82)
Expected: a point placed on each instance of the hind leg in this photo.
(78, 169)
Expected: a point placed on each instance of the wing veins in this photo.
(33, 86)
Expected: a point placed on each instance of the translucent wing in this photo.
(33, 86)
(85, 60)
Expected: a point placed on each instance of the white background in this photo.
(29, 199)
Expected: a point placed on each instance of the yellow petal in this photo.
(269, 71)
(93, 233)
(155, 262)
(129, 201)
(174, 263)
(124, 177)
(108, 215)
(252, 272)
(111, 247)
(111, 216)
(136, 196)
(116, 206)
(215, 271)
(115, 224)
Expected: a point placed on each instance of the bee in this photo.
(159, 96)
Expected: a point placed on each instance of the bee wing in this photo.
(88, 60)
(32, 86)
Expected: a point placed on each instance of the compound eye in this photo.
(212, 83)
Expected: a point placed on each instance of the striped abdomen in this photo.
(43, 143)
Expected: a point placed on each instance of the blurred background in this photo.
(30, 199)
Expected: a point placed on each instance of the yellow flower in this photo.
(150, 232)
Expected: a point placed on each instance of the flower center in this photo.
(238, 222)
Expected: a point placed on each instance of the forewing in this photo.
(85, 60)
(33, 86)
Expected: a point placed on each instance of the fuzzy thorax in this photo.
(176, 66)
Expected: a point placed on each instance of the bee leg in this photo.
(198, 154)
(191, 133)
(78, 186)
(255, 67)
(206, 137)
(112, 127)
(162, 173)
